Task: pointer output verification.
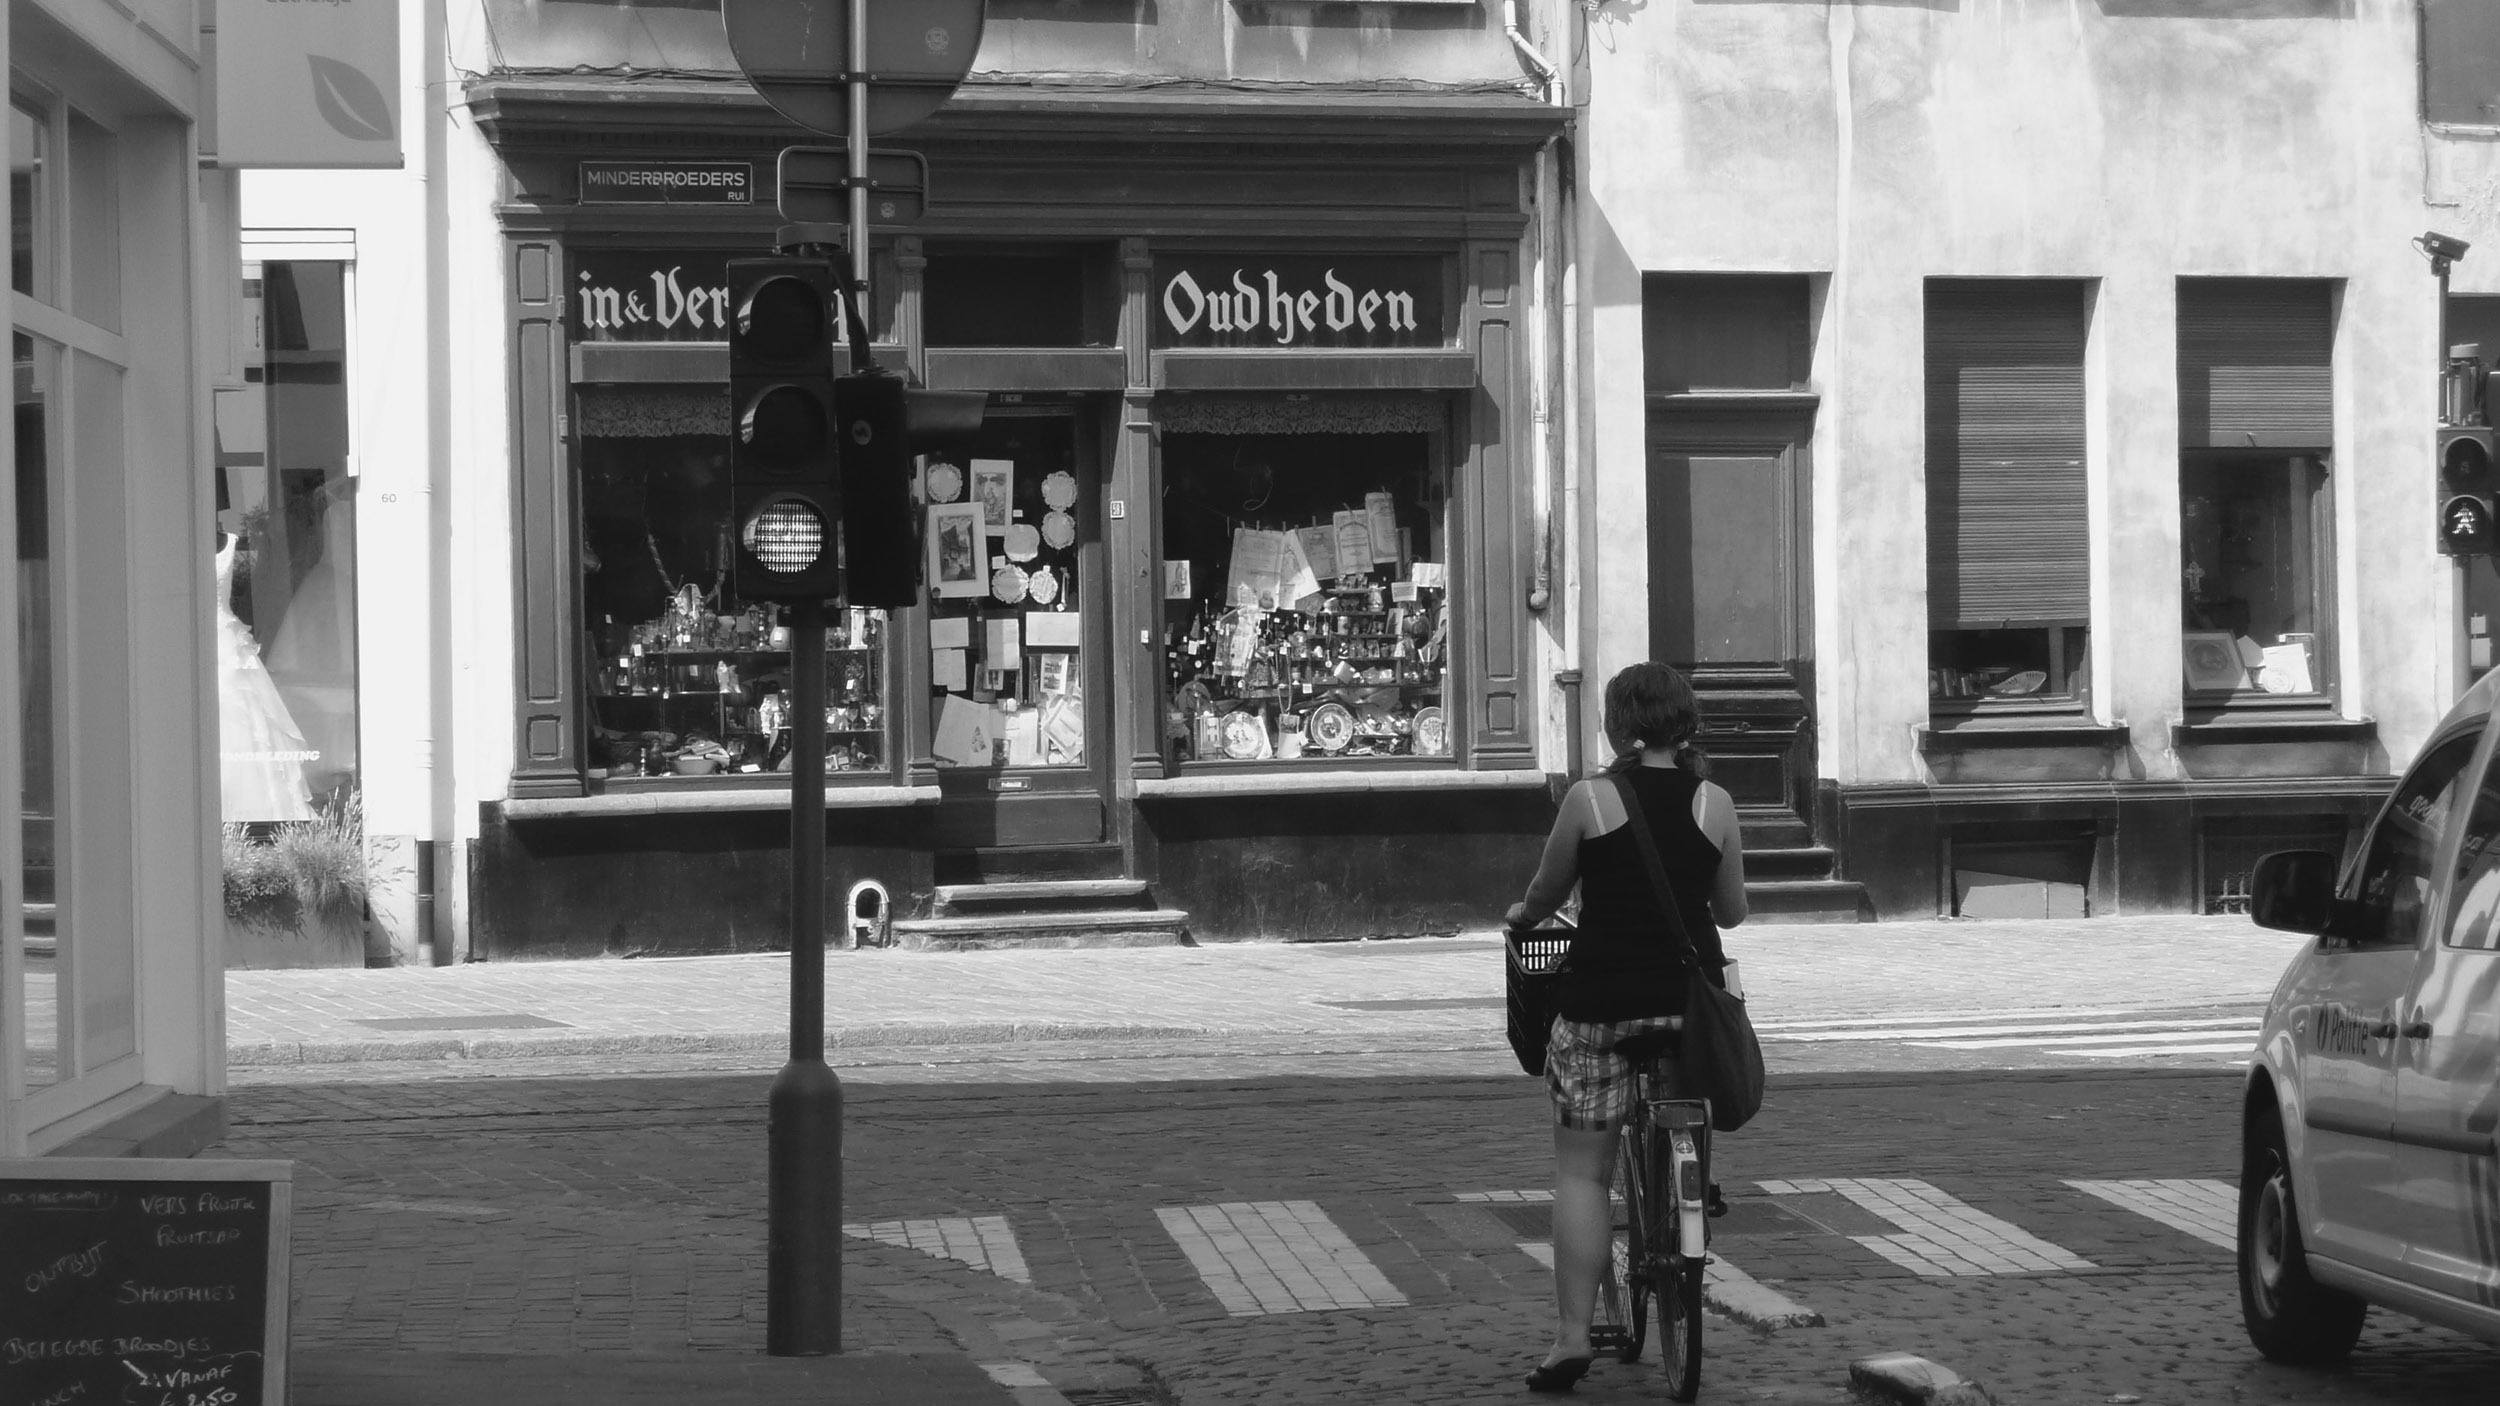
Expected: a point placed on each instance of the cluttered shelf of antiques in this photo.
(700, 695)
(1356, 672)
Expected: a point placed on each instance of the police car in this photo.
(2369, 1172)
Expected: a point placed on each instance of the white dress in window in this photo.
(261, 750)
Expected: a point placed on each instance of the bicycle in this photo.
(1666, 1228)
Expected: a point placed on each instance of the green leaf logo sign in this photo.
(349, 101)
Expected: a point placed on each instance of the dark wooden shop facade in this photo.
(1072, 211)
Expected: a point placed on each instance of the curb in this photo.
(284, 1052)
(1907, 1380)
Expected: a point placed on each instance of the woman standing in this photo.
(1626, 971)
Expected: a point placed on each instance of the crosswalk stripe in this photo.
(2246, 1036)
(2201, 1207)
(1260, 1257)
(2030, 1033)
(2241, 1048)
(1941, 1237)
(984, 1242)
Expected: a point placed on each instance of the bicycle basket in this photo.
(1529, 962)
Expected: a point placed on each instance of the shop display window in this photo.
(687, 681)
(1306, 597)
(2251, 587)
(1005, 530)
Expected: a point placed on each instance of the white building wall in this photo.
(1882, 145)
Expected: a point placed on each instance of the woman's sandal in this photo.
(1559, 1376)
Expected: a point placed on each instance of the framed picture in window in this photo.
(958, 548)
(2213, 661)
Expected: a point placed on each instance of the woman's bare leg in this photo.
(1584, 1166)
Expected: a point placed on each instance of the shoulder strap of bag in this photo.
(1657, 869)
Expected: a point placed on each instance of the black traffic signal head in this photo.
(2465, 491)
(784, 473)
(883, 425)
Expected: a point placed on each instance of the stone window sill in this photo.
(1341, 781)
(2210, 729)
(1992, 733)
(693, 801)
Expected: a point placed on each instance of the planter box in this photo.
(282, 935)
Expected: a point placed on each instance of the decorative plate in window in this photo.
(1329, 727)
(1042, 585)
(1021, 541)
(1007, 583)
(946, 483)
(1059, 489)
(1058, 529)
(1432, 734)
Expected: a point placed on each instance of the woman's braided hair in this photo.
(1651, 705)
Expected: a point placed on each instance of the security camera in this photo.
(2442, 246)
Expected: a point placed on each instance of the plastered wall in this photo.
(2127, 142)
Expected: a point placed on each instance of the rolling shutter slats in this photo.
(2007, 542)
(2256, 363)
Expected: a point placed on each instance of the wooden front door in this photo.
(1033, 669)
(1730, 601)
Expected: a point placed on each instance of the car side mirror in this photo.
(2294, 890)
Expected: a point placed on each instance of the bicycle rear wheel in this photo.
(1679, 1329)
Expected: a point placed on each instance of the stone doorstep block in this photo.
(1904, 1379)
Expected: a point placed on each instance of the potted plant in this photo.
(295, 891)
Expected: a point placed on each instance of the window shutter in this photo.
(2255, 363)
(2007, 542)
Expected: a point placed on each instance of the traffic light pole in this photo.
(803, 1310)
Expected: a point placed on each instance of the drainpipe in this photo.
(1546, 73)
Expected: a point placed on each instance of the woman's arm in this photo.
(1727, 889)
(1560, 868)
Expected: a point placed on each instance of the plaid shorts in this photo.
(1593, 1086)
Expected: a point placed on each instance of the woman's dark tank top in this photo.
(1626, 963)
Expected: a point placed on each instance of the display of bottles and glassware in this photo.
(1360, 672)
(698, 692)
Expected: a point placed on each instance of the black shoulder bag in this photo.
(1720, 1056)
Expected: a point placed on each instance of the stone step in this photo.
(1030, 864)
(1110, 927)
(1040, 896)
(1788, 862)
(1807, 901)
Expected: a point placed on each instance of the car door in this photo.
(2448, 1077)
(2343, 1012)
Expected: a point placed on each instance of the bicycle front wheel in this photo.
(1679, 1329)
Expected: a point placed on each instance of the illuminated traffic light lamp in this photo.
(883, 425)
(784, 474)
(2467, 484)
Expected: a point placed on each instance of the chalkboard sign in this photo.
(143, 1282)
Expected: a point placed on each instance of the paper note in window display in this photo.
(261, 752)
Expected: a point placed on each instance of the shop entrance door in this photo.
(1731, 602)
(1019, 681)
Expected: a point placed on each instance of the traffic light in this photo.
(2467, 484)
(882, 424)
(785, 483)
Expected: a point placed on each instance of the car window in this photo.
(2474, 910)
(2395, 879)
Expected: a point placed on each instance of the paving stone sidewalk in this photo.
(1443, 992)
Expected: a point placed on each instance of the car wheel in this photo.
(2290, 1316)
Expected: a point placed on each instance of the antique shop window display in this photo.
(2026, 664)
(1306, 597)
(2252, 587)
(688, 681)
(1003, 528)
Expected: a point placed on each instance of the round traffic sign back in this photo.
(796, 53)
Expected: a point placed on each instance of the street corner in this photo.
(1906, 1379)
